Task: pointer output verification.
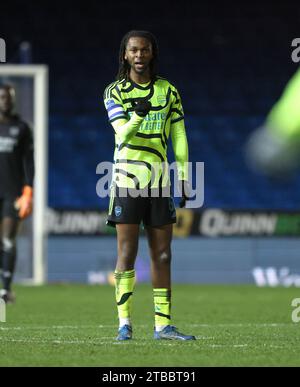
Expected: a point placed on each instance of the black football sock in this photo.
(8, 265)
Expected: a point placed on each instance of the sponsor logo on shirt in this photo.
(7, 144)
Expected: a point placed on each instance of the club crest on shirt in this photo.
(118, 210)
(14, 131)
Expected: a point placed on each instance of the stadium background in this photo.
(230, 63)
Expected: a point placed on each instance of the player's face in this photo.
(6, 101)
(139, 54)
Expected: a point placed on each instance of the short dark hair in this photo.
(124, 67)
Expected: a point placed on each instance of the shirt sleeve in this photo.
(124, 126)
(180, 147)
(113, 104)
(178, 136)
(125, 130)
(177, 113)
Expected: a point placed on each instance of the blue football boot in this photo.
(124, 333)
(171, 333)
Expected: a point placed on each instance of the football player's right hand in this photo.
(142, 108)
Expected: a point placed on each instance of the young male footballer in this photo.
(144, 110)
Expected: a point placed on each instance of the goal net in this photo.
(31, 85)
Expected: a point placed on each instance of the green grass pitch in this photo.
(76, 325)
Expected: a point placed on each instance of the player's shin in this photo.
(162, 307)
(124, 282)
(9, 261)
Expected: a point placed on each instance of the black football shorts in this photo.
(152, 211)
(7, 208)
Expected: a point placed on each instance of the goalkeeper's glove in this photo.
(24, 202)
(142, 107)
(184, 190)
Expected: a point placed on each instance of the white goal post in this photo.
(39, 74)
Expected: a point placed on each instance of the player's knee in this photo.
(164, 256)
(8, 244)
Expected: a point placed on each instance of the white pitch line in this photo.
(42, 327)
(112, 342)
(227, 346)
(233, 325)
(56, 341)
(241, 325)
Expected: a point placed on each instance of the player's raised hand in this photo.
(142, 108)
(24, 202)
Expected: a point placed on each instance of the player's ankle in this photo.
(124, 321)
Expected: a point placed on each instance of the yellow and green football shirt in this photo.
(148, 147)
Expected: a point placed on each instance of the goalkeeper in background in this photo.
(16, 181)
(274, 149)
(144, 110)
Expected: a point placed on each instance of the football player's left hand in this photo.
(184, 189)
(24, 202)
